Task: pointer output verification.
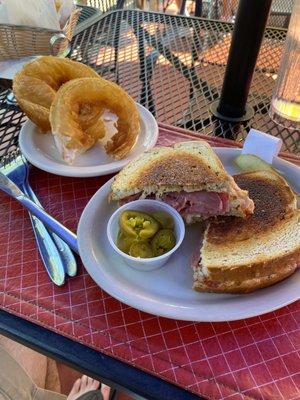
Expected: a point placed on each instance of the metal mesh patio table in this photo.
(174, 66)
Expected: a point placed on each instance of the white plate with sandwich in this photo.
(237, 256)
(42, 152)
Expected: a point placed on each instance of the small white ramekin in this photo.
(150, 206)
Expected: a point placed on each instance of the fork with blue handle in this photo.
(57, 256)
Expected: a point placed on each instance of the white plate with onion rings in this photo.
(40, 149)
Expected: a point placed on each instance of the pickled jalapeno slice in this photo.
(141, 250)
(163, 242)
(124, 241)
(142, 235)
(165, 220)
(138, 224)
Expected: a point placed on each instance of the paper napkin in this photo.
(262, 145)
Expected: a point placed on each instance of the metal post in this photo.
(247, 36)
(198, 8)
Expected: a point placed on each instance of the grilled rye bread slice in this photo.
(241, 255)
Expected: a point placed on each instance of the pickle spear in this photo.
(250, 162)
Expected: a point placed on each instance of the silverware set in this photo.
(54, 241)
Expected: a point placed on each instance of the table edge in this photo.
(89, 361)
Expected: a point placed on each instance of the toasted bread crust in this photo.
(246, 286)
(187, 165)
(179, 169)
(263, 190)
(247, 278)
(239, 256)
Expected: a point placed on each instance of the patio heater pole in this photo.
(251, 20)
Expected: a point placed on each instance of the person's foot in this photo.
(84, 385)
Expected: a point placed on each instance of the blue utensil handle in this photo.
(48, 251)
(65, 252)
(65, 234)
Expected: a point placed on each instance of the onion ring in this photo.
(36, 84)
(72, 136)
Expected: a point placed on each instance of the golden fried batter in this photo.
(73, 100)
(35, 85)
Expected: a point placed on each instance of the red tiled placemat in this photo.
(257, 358)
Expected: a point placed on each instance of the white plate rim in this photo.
(143, 304)
(38, 159)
